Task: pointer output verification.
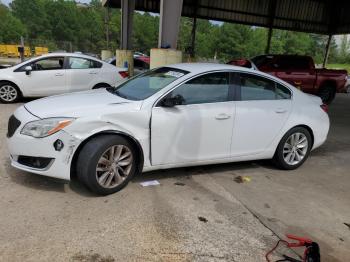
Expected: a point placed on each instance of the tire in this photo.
(347, 89)
(327, 94)
(281, 158)
(90, 159)
(101, 85)
(9, 93)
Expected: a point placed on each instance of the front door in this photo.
(48, 77)
(198, 130)
(261, 113)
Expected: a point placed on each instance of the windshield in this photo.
(147, 84)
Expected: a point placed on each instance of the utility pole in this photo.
(193, 37)
(107, 26)
(21, 49)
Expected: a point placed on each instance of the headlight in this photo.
(45, 127)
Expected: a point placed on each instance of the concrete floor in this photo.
(44, 219)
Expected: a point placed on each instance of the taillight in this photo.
(124, 74)
(324, 107)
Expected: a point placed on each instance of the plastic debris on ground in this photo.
(202, 219)
(242, 179)
(150, 183)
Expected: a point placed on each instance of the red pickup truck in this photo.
(300, 71)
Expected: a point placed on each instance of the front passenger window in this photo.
(208, 88)
(52, 63)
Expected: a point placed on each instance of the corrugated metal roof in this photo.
(314, 16)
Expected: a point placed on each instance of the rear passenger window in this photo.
(82, 63)
(209, 88)
(259, 88)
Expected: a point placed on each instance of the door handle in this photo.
(59, 74)
(280, 111)
(222, 116)
(93, 73)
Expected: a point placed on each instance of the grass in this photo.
(339, 66)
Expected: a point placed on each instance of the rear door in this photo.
(82, 73)
(198, 130)
(261, 112)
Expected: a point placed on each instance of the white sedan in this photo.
(56, 73)
(174, 116)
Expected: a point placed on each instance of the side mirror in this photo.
(28, 69)
(172, 101)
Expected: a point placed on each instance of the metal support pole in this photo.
(327, 50)
(272, 12)
(193, 37)
(127, 7)
(268, 45)
(169, 23)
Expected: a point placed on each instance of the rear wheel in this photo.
(327, 94)
(347, 89)
(9, 93)
(293, 149)
(106, 164)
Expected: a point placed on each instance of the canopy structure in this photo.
(314, 16)
(329, 17)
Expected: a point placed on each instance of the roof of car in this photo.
(203, 67)
(68, 54)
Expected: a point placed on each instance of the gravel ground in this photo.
(196, 214)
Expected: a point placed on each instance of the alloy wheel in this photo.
(8, 93)
(295, 148)
(114, 166)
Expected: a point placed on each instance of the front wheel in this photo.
(9, 93)
(106, 164)
(293, 149)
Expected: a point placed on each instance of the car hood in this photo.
(79, 104)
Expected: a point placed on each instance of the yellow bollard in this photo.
(162, 57)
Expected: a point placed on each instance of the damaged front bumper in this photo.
(48, 156)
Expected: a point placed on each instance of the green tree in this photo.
(11, 28)
(33, 15)
(145, 32)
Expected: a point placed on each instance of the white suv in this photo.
(56, 73)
